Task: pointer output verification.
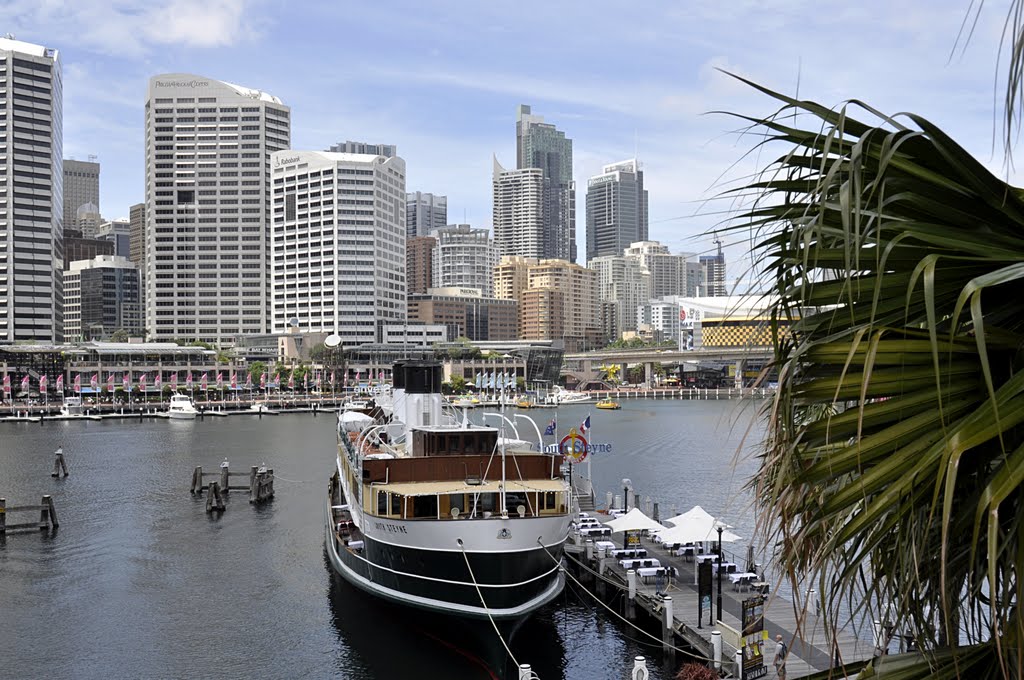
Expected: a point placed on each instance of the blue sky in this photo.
(442, 80)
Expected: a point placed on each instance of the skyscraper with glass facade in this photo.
(542, 145)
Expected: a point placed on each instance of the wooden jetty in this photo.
(675, 612)
(47, 516)
(260, 486)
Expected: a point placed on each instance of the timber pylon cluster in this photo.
(260, 486)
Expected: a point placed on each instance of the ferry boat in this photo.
(430, 512)
(72, 407)
(608, 404)
(560, 395)
(181, 408)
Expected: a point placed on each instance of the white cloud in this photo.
(130, 27)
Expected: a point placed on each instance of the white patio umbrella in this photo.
(696, 526)
(634, 520)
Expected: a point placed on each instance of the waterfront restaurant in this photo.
(104, 359)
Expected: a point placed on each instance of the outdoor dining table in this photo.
(742, 579)
(639, 563)
(727, 567)
(687, 551)
(606, 545)
(595, 531)
(701, 559)
(646, 573)
(630, 552)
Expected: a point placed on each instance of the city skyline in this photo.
(458, 88)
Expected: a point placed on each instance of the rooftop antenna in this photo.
(93, 158)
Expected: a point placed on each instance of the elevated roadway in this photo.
(585, 365)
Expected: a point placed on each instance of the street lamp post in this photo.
(627, 484)
(719, 527)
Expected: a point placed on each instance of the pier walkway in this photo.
(810, 649)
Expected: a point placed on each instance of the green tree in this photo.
(894, 457)
(256, 369)
(120, 335)
(458, 384)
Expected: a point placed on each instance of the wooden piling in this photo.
(59, 466)
(214, 501)
(197, 480)
(51, 511)
(3, 516)
(224, 477)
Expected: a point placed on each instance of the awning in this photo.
(460, 486)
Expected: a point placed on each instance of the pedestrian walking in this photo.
(781, 652)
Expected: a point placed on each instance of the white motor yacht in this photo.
(181, 408)
(560, 395)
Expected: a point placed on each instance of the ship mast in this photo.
(501, 493)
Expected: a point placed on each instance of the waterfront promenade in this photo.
(811, 648)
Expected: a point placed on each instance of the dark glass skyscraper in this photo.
(542, 145)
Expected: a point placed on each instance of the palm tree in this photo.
(893, 468)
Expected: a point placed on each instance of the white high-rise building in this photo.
(338, 259)
(31, 193)
(519, 211)
(624, 281)
(669, 273)
(463, 257)
(102, 295)
(207, 234)
(424, 212)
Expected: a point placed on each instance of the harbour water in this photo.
(140, 582)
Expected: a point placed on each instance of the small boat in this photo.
(563, 396)
(72, 407)
(263, 408)
(465, 402)
(608, 404)
(181, 408)
(523, 402)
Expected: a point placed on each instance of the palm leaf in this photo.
(893, 467)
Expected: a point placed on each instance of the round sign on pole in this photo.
(573, 446)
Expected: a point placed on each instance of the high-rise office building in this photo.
(81, 188)
(79, 247)
(117, 232)
(464, 257)
(616, 209)
(624, 281)
(512, 276)
(713, 273)
(208, 146)
(465, 312)
(137, 235)
(339, 255)
(542, 145)
(87, 219)
(31, 195)
(518, 211)
(102, 295)
(669, 273)
(386, 150)
(424, 212)
(419, 264)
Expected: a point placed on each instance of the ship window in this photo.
(486, 502)
(382, 502)
(549, 500)
(424, 507)
(396, 504)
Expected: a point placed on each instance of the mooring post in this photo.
(252, 483)
(639, 669)
(51, 511)
(197, 480)
(58, 465)
(224, 476)
(631, 600)
(525, 673)
(739, 664)
(716, 645)
(668, 625)
(213, 498)
(3, 516)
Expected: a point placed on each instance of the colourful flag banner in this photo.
(550, 429)
(220, 380)
(291, 381)
(202, 382)
(78, 383)
(25, 384)
(234, 380)
(110, 383)
(142, 383)
(7, 384)
(585, 425)
(126, 381)
(174, 381)
(188, 380)
(42, 384)
(248, 381)
(263, 380)
(60, 384)
(94, 381)
(158, 382)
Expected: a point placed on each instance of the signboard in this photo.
(632, 539)
(754, 637)
(688, 316)
(704, 590)
(573, 447)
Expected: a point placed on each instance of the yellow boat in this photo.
(609, 405)
(524, 403)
